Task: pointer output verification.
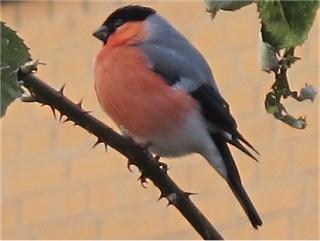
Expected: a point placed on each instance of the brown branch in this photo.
(137, 154)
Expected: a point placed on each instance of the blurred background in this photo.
(56, 186)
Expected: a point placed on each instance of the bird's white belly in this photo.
(191, 137)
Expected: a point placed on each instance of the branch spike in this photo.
(143, 180)
(61, 91)
(97, 142)
(53, 111)
(60, 117)
(87, 111)
(129, 164)
(66, 120)
(161, 196)
(80, 104)
(188, 194)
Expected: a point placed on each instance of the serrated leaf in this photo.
(213, 6)
(14, 53)
(286, 24)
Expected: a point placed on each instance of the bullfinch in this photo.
(155, 85)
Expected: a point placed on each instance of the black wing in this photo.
(216, 111)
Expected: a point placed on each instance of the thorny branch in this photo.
(138, 155)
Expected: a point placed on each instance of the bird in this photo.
(158, 87)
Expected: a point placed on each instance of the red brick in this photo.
(62, 9)
(37, 142)
(311, 187)
(276, 162)
(71, 201)
(209, 38)
(223, 67)
(36, 208)
(27, 14)
(10, 154)
(16, 234)
(97, 163)
(10, 122)
(249, 65)
(179, 169)
(76, 228)
(10, 214)
(103, 196)
(151, 222)
(203, 177)
(26, 179)
(175, 221)
(10, 15)
(69, 137)
(313, 42)
(306, 225)
(240, 231)
(281, 224)
(131, 192)
(306, 155)
(56, 38)
(276, 196)
(238, 104)
(245, 22)
(217, 206)
(258, 129)
(170, 9)
(186, 234)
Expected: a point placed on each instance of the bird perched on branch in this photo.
(154, 83)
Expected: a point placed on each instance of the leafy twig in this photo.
(281, 89)
(137, 154)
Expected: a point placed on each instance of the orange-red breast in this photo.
(154, 83)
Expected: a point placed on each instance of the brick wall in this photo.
(55, 186)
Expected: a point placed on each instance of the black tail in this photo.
(234, 180)
(246, 203)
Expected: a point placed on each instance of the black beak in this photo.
(102, 33)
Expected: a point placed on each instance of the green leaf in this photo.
(214, 6)
(14, 53)
(286, 24)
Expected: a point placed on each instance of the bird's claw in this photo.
(143, 180)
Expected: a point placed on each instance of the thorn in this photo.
(97, 142)
(87, 111)
(161, 196)
(66, 120)
(52, 109)
(53, 112)
(188, 194)
(157, 158)
(80, 104)
(61, 91)
(106, 146)
(129, 164)
(143, 180)
(60, 117)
